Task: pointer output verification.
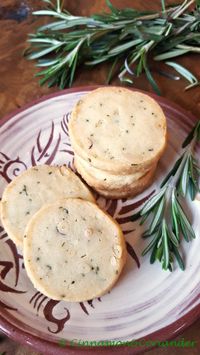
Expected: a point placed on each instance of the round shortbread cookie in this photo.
(27, 193)
(104, 180)
(118, 130)
(125, 191)
(73, 251)
(129, 191)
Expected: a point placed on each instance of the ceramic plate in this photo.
(146, 302)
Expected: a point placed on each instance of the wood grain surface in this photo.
(18, 87)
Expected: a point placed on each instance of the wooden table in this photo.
(18, 87)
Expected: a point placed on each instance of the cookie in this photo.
(104, 180)
(118, 130)
(27, 193)
(73, 251)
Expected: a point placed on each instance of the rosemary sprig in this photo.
(128, 36)
(168, 221)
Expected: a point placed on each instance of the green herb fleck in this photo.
(24, 190)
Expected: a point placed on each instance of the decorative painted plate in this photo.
(146, 302)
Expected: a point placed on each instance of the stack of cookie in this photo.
(118, 137)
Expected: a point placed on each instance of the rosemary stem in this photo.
(183, 9)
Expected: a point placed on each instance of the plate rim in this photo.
(163, 334)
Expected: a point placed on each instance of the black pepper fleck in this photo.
(38, 258)
(49, 267)
(73, 282)
(50, 172)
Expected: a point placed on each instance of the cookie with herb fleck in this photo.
(27, 193)
(73, 251)
(128, 192)
(101, 179)
(118, 130)
(125, 191)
